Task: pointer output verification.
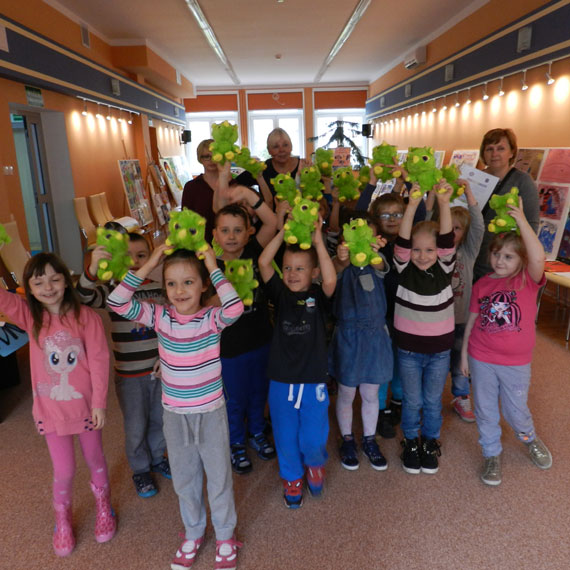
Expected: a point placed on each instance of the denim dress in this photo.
(361, 349)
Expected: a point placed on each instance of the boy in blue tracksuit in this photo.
(298, 396)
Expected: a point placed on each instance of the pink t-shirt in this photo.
(504, 331)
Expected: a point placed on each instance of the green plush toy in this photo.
(358, 236)
(421, 168)
(384, 154)
(451, 174)
(117, 244)
(503, 221)
(324, 160)
(240, 274)
(4, 237)
(224, 148)
(186, 231)
(347, 184)
(244, 160)
(364, 176)
(300, 226)
(285, 188)
(310, 183)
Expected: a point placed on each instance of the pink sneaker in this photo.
(186, 555)
(63, 539)
(226, 554)
(462, 406)
(105, 522)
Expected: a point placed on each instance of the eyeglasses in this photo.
(205, 157)
(394, 215)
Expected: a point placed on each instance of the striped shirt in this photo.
(424, 317)
(188, 345)
(135, 346)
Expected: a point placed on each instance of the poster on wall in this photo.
(556, 167)
(467, 157)
(133, 185)
(182, 169)
(341, 157)
(529, 160)
(174, 185)
(547, 233)
(552, 199)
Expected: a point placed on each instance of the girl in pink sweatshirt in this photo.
(69, 361)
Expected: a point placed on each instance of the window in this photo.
(325, 117)
(261, 123)
(200, 125)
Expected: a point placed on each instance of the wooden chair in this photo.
(86, 226)
(14, 255)
(105, 205)
(96, 209)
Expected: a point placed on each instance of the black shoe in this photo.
(396, 409)
(411, 456)
(262, 446)
(385, 427)
(348, 453)
(144, 485)
(372, 451)
(429, 454)
(241, 463)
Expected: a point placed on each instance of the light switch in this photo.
(8, 170)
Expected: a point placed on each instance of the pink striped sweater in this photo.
(188, 345)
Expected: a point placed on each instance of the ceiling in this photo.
(272, 43)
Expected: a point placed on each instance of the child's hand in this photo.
(342, 252)
(156, 371)
(156, 257)
(210, 259)
(329, 189)
(464, 364)
(318, 232)
(415, 196)
(334, 194)
(98, 417)
(224, 173)
(97, 254)
(282, 210)
(517, 212)
(443, 191)
(378, 244)
(237, 194)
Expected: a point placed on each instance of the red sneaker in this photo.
(293, 494)
(186, 555)
(226, 554)
(462, 407)
(315, 480)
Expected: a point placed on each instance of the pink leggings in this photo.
(62, 455)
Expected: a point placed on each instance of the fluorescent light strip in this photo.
(210, 36)
(344, 35)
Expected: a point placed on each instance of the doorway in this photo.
(34, 181)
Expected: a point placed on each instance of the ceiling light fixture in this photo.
(344, 35)
(457, 99)
(211, 38)
(549, 79)
(84, 112)
(523, 81)
(434, 108)
(98, 115)
(485, 94)
(444, 103)
(108, 112)
(501, 92)
(130, 121)
(468, 102)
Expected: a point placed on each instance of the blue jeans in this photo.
(423, 379)
(395, 384)
(459, 383)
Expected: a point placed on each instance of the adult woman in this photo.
(498, 152)
(279, 147)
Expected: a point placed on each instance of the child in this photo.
(298, 396)
(69, 362)
(424, 325)
(195, 419)
(498, 343)
(468, 230)
(136, 382)
(361, 352)
(386, 212)
(245, 346)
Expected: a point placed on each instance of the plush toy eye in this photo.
(177, 226)
(192, 231)
(425, 157)
(304, 207)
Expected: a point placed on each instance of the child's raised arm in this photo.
(534, 249)
(263, 211)
(445, 223)
(328, 271)
(264, 262)
(405, 231)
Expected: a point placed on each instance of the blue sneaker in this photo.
(163, 468)
(293, 494)
(144, 485)
(261, 444)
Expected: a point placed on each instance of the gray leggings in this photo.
(369, 410)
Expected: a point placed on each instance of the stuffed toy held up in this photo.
(224, 148)
(364, 176)
(4, 237)
(117, 244)
(421, 168)
(240, 274)
(244, 160)
(358, 237)
(324, 160)
(451, 174)
(503, 221)
(186, 231)
(285, 188)
(347, 184)
(310, 183)
(300, 226)
(384, 154)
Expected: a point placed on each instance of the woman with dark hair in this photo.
(498, 152)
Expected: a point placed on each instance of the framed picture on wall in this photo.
(133, 186)
(182, 169)
(529, 160)
(467, 157)
(174, 185)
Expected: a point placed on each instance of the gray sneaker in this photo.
(492, 471)
(539, 454)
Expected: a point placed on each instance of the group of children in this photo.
(407, 319)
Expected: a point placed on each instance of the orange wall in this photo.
(492, 16)
(539, 116)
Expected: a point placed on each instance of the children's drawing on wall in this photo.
(468, 157)
(174, 185)
(564, 250)
(341, 157)
(182, 169)
(529, 160)
(556, 166)
(547, 236)
(133, 185)
(552, 200)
